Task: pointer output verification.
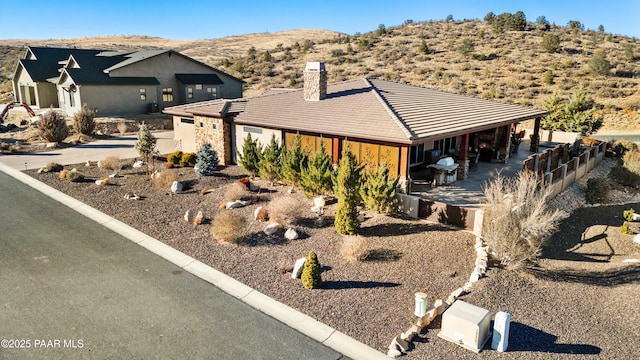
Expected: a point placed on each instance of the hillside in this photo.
(511, 66)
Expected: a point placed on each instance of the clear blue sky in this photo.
(189, 19)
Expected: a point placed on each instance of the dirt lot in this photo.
(580, 300)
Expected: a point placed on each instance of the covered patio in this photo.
(469, 192)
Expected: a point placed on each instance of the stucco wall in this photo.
(164, 67)
(109, 99)
(264, 137)
(184, 134)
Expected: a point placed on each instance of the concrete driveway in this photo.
(120, 146)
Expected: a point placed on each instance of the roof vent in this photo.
(315, 81)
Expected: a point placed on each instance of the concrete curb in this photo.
(281, 312)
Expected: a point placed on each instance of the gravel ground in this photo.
(580, 301)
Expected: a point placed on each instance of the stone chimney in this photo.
(315, 81)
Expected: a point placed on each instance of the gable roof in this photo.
(46, 61)
(373, 109)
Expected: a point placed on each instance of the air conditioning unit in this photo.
(466, 325)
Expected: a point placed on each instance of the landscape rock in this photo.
(176, 186)
(297, 268)
(132, 196)
(402, 344)
(102, 182)
(271, 228)
(233, 205)
(394, 353)
(260, 214)
(319, 201)
(199, 218)
(291, 234)
(115, 175)
(318, 210)
(187, 216)
(89, 163)
(137, 164)
(636, 239)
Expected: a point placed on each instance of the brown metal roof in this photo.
(370, 109)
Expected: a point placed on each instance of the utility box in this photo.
(466, 325)
(500, 339)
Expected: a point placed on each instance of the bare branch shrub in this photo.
(110, 163)
(517, 222)
(285, 210)
(236, 192)
(53, 167)
(228, 227)
(122, 127)
(353, 248)
(53, 126)
(83, 121)
(164, 179)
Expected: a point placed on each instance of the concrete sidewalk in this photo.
(120, 146)
(316, 330)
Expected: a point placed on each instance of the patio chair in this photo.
(473, 163)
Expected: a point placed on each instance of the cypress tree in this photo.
(207, 160)
(269, 165)
(315, 178)
(292, 161)
(250, 156)
(379, 190)
(146, 144)
(311, 272)
(348, 194)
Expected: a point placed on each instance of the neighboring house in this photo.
(402, 125)
(117, 82)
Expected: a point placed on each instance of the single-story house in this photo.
(402, 125)
(117, 82)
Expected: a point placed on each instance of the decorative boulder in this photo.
(271, 228)
(187, 216)
(199, 218)
(291, 234)
(319, 201)
(138, 164)
(636, 239)
(318, 210)
(233, 205)
(260, 214)
(297, 268)
(102, 182)
(176, 186)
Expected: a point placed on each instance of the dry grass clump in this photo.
(53, 167)
(122, 128)
(236, 191)
(228, 227)
(518, 220)
(353, 248)
(164, 179)
(110, 163)
(72, 175)
(285, 210)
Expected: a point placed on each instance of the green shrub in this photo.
(312, 272)
(624, 229)
(269, 165)
(292, 161)
(597, 190)
(250, 156)
(188, 159)
(83, 121)
(315, 178)
(379, 190)
(53, 126)
(628, 214)
(175, 157)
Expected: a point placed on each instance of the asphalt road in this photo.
(72, 289)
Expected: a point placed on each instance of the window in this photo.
(252, 129)
(143, 94)
(72, 99)
(189, 93)
(186, 121)
(167, 94)
(416, 155)
(198, 86)
(212, 92)
(201, 124)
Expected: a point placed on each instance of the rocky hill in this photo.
(470, 57)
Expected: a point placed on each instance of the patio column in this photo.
(535, 138)
(463, 158)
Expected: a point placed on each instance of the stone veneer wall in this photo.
(315, 85)
(463, 169)
(216, 132)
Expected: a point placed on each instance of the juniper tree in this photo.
(379, 190)
(146, 144)
(348, 193)
(207, 160)
(250, 156)
(269, 165)
(311, 272)
(577, 113)
(292, 161)
(315, 178)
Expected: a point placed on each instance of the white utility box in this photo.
(500, 339)
(466, 325)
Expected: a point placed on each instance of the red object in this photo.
(12, 105)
